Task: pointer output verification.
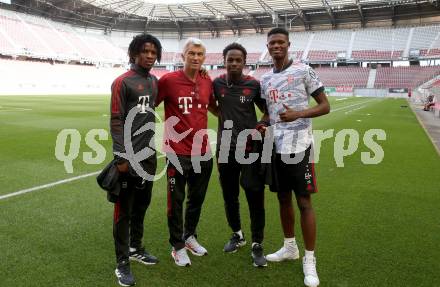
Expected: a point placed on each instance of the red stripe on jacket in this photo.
(116, 91)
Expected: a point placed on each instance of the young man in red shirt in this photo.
(187, 96)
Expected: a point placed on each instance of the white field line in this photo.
(349, 106)
(23, 191)
(10, 109)
(355, 109)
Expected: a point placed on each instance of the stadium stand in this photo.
(376, 44)
(215, 73)
(322, 55)
(19, 33)
(37, 37)
(324, 47)
(344, 76)
(404, 77)
(169, 57)
(159, 72)
(214, 58)
(261, 71)
(24, 77)
(253, 58)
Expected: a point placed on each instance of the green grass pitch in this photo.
(378, 225)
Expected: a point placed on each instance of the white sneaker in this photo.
(192, 245)
(287, 252)
(180, 257)
(309, 268)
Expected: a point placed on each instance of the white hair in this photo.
(195, 42)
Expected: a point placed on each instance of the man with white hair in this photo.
(187, 96)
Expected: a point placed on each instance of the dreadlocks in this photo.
(138, 42)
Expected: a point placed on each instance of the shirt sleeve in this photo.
(118, 111)
(212, 98)
(162, 90)
(154, 91)
(312, 82)
(214, 90)
(259, 100)
(262, 95)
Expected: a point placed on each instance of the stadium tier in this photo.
(169, 57)
(215, 73)
(37, 37)
(23, 77)
(344, 76)
(322, 55)
(22, 34)
(430, 53)
(159, 72)
(341, 76)
(358, 77)
(33, 36)
(404, 77)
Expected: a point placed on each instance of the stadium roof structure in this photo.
(219, 15)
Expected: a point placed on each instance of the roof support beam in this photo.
(269, 11)
(219, 16)
(123, 15)
(199, 18)
(393, 14)
(189, 12)
(330, 12)
(435, 3)
(136, 8)
(361, 13)
(265, 7)
(249, 18)
(149, 17)
(300, 14)
(176, 21)
(115, 4)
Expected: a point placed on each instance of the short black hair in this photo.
(234, 46)
(278, 30)
(138, 42)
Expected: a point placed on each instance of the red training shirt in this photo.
(188, 101)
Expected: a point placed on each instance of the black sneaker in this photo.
(234, 243)
(142, 256)
(257, 255)
(125, 278)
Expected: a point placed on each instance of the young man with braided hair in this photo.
(135, 89)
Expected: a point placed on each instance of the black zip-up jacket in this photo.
(135, 88)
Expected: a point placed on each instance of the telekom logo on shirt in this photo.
(185, 103)
(143, 102)
(273, 95)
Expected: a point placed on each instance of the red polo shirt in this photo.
(188, 101)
